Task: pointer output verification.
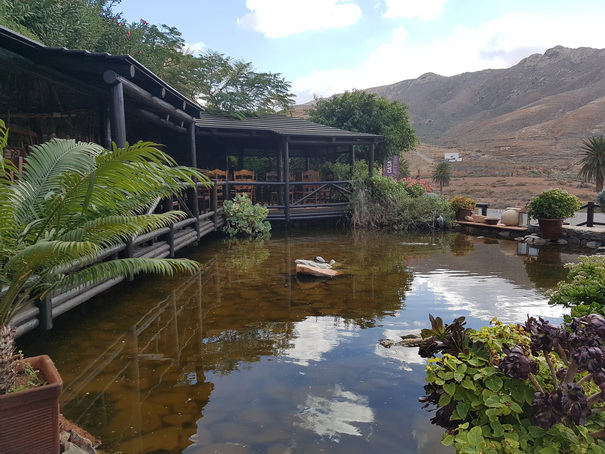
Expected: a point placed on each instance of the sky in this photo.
(324, 47)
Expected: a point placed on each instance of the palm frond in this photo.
(128, 267)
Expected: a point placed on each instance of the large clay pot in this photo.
(510, 216)
(462, 213)
(550, 229)
(29, 419)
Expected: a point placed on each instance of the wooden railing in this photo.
(158, 243)
(590, 212)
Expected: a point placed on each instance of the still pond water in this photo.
(246, 357)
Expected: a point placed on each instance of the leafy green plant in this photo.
(245, 218)
(463, 203)
(516, 389)
(383, 202)
(553, 204)
(584, 288)
(70, 202)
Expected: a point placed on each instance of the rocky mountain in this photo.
(544, 105)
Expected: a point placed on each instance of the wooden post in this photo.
(286, 181)
(590, 214)
(118, 116)
(352, 157)
(214, 205)
(45, 315)
(106, 128)
(371, 160)
(192, 145)
(170, 239)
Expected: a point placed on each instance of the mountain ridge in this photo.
(546, 102)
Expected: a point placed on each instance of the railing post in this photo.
(214, 204)
(45, 315)
(590, 214)
(170, 238)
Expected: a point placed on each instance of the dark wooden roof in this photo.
(87, 68)
(294, 130)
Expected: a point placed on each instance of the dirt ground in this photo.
(502, 192)
(495, 179)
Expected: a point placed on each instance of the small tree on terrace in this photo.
(593, 161)
(442, 174)
(359, 111)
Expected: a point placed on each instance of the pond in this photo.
(248, 357)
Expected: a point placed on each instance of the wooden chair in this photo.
(241, 176)
(219, 175)
(306, 176)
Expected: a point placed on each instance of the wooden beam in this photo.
(143, 96)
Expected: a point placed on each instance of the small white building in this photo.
(452, 157)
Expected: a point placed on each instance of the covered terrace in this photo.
(289, 194)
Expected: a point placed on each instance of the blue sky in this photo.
(325, 47)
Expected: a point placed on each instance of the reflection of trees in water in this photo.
(546, 269)
(461, 245)
(242, 254)
(224, 351)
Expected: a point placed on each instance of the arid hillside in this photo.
(524, 122)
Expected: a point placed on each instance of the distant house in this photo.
(452, 157)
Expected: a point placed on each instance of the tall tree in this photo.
(442, 174)
(220, 83)
(233, 87)
(359, 111)
(593, 161)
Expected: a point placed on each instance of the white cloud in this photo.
(195, 48)
(422, 9)
(281, 18)
(499, 43)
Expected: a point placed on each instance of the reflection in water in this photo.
(246, 357)
(339, 414)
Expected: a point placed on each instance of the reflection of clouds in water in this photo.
(484, 297)
(336, 414)
(315, 337)
(398, 353)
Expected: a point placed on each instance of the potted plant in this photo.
(70, 201)
(463, 206)
(550, 208)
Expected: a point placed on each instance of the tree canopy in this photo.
(218, 82)
(359, 111)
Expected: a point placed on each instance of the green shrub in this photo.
(244, 218)
(553, 204)
(518, 389)
(584, 289)
(383, 202)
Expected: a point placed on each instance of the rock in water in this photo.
(314, 271)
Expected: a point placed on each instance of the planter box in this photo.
(29, 419)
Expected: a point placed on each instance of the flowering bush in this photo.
(415, 187)
(514, 389)
(464, 203)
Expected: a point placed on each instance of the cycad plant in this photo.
(70, 201)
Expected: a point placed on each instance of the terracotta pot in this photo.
(29, 419)
(550, 229)
(462, 213)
